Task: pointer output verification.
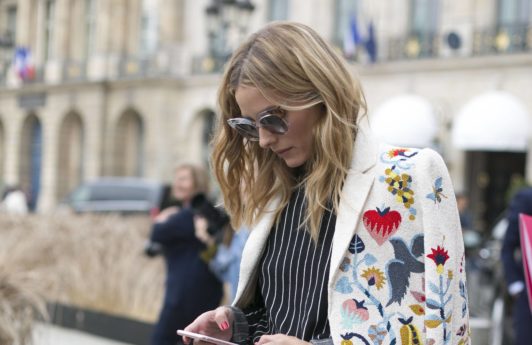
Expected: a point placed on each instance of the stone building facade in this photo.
(125, 87)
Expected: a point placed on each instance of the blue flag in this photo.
(351, 37)
(371, 44)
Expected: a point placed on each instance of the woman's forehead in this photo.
(251, 100)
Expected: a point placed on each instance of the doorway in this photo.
(488, 177)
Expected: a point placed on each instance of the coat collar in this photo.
(255, 245)
(356, 188)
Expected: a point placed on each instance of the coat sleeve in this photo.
(446, 305)
(178, 227)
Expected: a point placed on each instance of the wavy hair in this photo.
(295, 68)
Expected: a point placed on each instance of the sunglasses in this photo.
(269, 119)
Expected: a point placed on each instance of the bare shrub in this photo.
(20, 305)
(89, 261)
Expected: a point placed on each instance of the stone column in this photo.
(49, 117)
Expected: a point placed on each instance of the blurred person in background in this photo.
(351, 241)
(513, 266)
(466, 218)
(472, 237)
(223, 255)
(191, 287)
(14, 201)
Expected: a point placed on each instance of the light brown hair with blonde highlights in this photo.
(294, 64)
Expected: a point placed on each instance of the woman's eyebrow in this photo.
(260, 112)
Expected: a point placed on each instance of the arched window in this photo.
(70, 155)
(129, 145)
(30, 159)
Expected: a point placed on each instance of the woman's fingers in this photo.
(224, 318)
(215, 323)
(202, 324)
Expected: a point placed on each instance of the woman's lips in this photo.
(283, 152)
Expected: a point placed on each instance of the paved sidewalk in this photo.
(47, 334)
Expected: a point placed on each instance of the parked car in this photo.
(124, 195)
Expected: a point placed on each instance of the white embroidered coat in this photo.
(397, 273)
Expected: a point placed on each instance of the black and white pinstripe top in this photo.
(291, 295)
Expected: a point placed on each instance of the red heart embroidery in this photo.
(381, 224)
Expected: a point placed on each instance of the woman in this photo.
(191, 288)
(351, 241)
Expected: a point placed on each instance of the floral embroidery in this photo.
(374, 276)
(377, 333)
(409, 333)
(344, 266)
(399, 157)
(399, 184)
(439, 256)
(369, 284)
(348, 336)
(381, 224)
(441, 290)
(463, 293)
(353, 312)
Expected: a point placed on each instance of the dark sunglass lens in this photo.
(274, 124)
(249, 131)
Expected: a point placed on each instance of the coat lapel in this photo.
(354, 194)
(254, 246)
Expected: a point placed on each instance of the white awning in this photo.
(405, 120)
(495, 121)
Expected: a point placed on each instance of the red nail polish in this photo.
(224, 325)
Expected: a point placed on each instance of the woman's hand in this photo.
(165, 214)
(280, 339)
(200, 229)
(214, 323)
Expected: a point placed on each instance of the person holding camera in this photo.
(191, 287)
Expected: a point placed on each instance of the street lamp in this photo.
(227, 23)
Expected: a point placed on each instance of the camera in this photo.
(215, 216)
(153, 249)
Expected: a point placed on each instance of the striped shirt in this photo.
(291, 295)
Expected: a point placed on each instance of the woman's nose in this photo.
(266, 138)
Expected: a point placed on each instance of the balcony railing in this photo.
(206, 64)
(416, 45)
(503, 39)
(507, 39)
(133, 67)
(74, 71)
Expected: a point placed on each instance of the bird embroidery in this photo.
(405, 262)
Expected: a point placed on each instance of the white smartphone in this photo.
(204, 337)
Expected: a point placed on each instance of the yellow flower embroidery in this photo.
(374, 276)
